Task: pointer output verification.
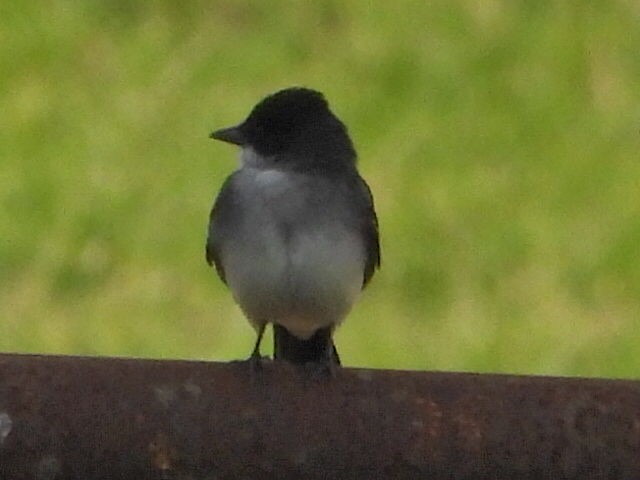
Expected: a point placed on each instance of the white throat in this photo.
(252, 159)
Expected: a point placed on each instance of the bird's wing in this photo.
(223, 212)
(369, 229)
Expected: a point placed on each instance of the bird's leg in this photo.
(330, 360)
(327, 363)
(255, 359)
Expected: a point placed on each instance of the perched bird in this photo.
(293, 232)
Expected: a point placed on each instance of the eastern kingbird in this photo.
(293, 232)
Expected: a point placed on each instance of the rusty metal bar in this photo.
(102, 418)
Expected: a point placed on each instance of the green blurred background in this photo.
(500, 139)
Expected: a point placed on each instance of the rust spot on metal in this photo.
(192, 388)
(431, 414)
(162, 454)
(468, 430)
(399, 395)
(165, 394)
(48, 468)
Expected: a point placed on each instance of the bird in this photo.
(293, 231)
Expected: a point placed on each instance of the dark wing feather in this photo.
(223, 212)
(369, 229)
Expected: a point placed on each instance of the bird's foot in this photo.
(255, 363)
(256, 368)
(255, 359)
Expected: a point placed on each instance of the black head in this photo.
(289, 121)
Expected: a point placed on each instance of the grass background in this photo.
(500, 138)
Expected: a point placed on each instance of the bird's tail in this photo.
(292, 349)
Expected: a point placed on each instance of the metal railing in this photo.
(105, 418)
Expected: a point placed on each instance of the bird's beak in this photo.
(233, 135)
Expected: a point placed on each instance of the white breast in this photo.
(285, 269)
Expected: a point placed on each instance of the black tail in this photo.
(292, 349)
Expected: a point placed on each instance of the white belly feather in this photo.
(305, 280)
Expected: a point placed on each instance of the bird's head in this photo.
(287, 121)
